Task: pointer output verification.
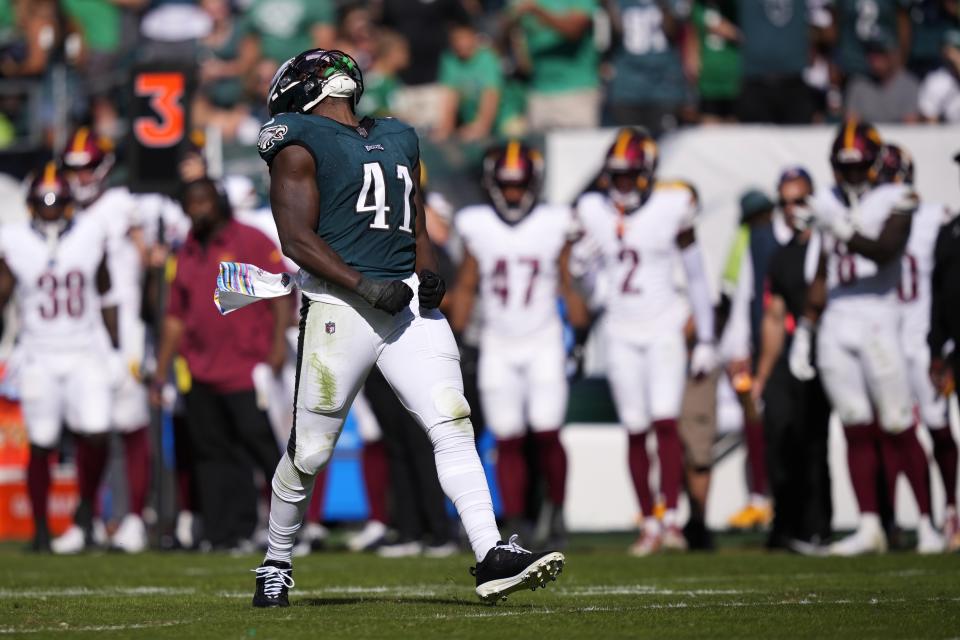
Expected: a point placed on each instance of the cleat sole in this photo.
(538, 574)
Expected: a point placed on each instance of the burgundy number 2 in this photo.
(631, 256)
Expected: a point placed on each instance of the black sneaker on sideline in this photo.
(509, 567)
(274, 580)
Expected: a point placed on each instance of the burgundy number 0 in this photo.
(631, 256)
(907, 290)
(74, 283)
(500, 279)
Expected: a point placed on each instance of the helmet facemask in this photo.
(301, 83)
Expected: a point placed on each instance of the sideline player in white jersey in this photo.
(87, 162)
(864, 232)
(914, 293)
(641, 230)
(56, 265)
(516, 251)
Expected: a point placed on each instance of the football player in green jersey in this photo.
(345, 195)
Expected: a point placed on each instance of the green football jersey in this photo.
(365, 180)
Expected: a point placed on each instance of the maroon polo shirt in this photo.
(221, 351)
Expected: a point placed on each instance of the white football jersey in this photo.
(59, 306)
(639, 255)
(118, 212)
(851, 276)
(914, 290)
(519, 266)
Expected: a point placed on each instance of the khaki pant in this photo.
(698, 419)
(566, 110)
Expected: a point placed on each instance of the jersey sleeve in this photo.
(687, 205)
(281, 131)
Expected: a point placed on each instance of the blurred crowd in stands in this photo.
(472, 69)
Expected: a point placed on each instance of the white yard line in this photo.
(77, 592)
(645, 590)
(63, 627)
(395, 590)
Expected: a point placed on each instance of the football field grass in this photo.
(601, 594)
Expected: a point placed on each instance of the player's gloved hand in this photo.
(392, 296)
(838, 226)
(704, 359)
(432, 289)
(801, 352)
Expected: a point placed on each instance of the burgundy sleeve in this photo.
(177, 295)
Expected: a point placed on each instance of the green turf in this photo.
(601, 594)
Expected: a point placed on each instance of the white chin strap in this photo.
(339, 85)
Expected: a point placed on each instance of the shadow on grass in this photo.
(339, 602)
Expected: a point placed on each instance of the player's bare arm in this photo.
(577, 311)
(704, 357)
(295, 201)
(817, 293)
(889, 245)
(171, 333)
(772, 338)
(468, 278)
(7, 283)
(109, 310)
(432, 287)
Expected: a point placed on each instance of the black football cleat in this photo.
(509, 567)
(274, 580)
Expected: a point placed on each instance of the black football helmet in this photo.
(512, 177)
(896, 165)
(855, 156)
(303, 81)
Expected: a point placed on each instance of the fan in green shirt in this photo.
(99, 20)
(473, 73)
(559, 43)
(717, 36)
(860, 21)
(287, 27)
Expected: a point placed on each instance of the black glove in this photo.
(432, 288)
(392, 296)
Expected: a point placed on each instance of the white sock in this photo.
(291, 495)
(462, 479)
(669, 518)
